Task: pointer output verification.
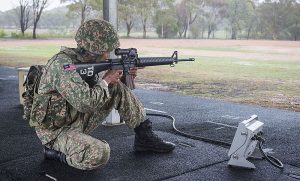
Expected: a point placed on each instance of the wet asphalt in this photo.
(21, 155)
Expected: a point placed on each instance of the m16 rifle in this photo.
(129, 59)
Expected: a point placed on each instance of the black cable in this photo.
(217, 142)
(274, 161)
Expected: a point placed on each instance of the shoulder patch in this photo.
(69, 67)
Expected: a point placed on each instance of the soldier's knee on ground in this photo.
(92, 157)
(102, 154)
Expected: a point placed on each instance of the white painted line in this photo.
(157, 103)
(49, 176)
(222, 124)
(220, 128)
(226, 116)
(155, 110)
(8, 78)
(230, 117)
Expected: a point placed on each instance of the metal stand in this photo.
(243, 145)
(22, 74)
(113, 119)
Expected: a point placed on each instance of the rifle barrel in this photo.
(186, 60)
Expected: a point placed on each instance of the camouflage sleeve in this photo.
(75, 90)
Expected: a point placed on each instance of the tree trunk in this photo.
(185, 31)
(274, 36)
(34, 30)
(248, 34)
(208, 31)
(208, 34)
(233, 34)
(83, 9)
(22, 28)
(82, 18)
(144, 31)
(128, 26)
(162, 30)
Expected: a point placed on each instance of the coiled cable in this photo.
(274, 161)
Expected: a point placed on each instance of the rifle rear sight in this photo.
(128, 52)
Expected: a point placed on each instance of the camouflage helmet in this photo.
(97, 36)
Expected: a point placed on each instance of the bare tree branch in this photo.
(23, 14)
(37, 6)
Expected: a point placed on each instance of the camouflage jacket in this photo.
(62, 94)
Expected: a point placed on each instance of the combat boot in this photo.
(50, 154)
(147, 140)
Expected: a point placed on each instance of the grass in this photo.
(270, 82)
(32, 51)
(26, 55)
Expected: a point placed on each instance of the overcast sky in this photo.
(9, 4)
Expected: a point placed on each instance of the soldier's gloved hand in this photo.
(133, 71)
(112, 76)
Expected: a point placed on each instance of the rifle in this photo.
(129, 59)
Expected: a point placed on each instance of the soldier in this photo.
(66, 108)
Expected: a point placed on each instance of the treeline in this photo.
(237, 19)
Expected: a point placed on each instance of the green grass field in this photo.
(265, 73)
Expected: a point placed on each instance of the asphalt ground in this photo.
(21, 155)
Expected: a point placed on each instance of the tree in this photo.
(23, 12)
(236, 14)
(9, 19)
(198, 28)
(127, 12)
(277, 16)
(291, 19)
(214, 13)
(294, 31)
(146, 9)
(165, 23)
(97, 7)
(53, 20)
(186, 12)
(80, 7)
(181, 14)
(37, 7)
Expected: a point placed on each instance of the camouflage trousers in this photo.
(85, 152)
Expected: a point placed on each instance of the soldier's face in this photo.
(104, 56)
(91, 57)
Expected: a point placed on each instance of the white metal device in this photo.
(243, 145)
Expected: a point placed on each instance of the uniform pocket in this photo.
(57, 110)
(39, 110)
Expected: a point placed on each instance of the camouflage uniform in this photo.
(66, 109)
